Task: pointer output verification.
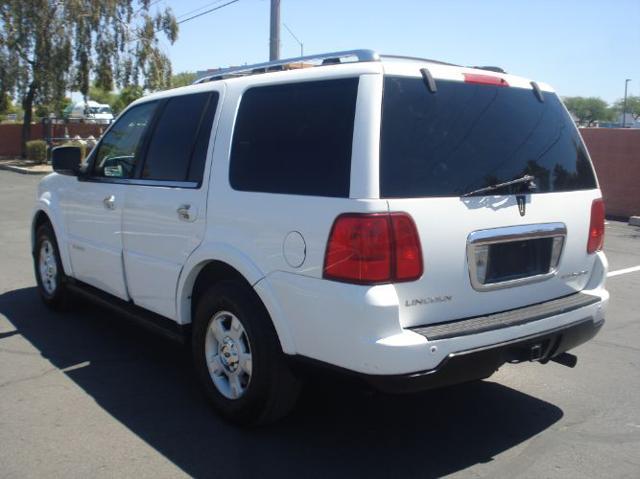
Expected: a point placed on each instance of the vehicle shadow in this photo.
(147, 384)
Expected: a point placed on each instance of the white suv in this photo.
(406, 221)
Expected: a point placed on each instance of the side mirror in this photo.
(66, 160)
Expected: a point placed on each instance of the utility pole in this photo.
(624, 105)
(274, 40)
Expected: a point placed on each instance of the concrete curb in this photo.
(634, 221)
(22, 170)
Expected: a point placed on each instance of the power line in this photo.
(195, 10)
(295, 38)
(139, 37)
(207, 11)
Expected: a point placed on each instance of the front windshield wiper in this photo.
(524, 179)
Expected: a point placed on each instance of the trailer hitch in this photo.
(566, 359)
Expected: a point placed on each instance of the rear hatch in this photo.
(486, 248)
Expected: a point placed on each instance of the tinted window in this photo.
(466, 137)
(295, 138)
(178, 146)
(120, 149)
(199, 157)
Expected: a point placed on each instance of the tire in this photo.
(52, 282)
(248, 393)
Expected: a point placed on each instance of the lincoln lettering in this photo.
(424, 301)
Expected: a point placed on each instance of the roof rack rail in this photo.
(279, 65)
(404, 57)
(490, 69)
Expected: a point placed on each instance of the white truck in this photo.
(90, 111)
(407, 222)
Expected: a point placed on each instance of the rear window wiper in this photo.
(523, 179)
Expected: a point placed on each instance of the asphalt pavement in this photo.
(86, 394)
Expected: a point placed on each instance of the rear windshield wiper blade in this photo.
(524, 179)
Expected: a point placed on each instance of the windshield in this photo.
(465, 137)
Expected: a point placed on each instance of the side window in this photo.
(119, 150)
(295, 138)
(178, 147)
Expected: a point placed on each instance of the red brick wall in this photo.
(10, 138)
(616, 156)
(10, 134)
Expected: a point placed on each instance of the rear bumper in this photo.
(482, 362)
(359, 328)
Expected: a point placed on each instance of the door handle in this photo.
(109, 202)
(185, 213)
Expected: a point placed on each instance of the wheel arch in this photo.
(202, 270)
(41, 216)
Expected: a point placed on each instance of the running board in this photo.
(147, 319)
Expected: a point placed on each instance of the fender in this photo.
(268, 298)
(217, 251)
(48, 204)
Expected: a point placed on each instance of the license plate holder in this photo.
(511, 256)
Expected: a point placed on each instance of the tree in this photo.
(5, 103)
(127, 95)
(7, 107)
(118, 101)
(102, 96)
(588, 110)
(633, 106)
(49, 46)
(183, 79)
(42, 110)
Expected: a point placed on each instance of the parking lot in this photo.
(86, 394)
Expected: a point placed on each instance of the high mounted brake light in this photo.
(373, 248)
(484, 79)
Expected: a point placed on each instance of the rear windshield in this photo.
(467, 136)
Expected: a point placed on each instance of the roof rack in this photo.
(489, 68)
(349, 56)
(403, 57)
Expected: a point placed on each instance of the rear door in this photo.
(165, 207)
(492, 250)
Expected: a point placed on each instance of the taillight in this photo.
(484, 79)
(596, 227)
(406, 248)
(373, 248)
(359, 249)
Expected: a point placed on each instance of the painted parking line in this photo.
(618, 272)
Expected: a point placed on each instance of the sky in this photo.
(585, 48)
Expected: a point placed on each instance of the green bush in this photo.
(37, 150)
